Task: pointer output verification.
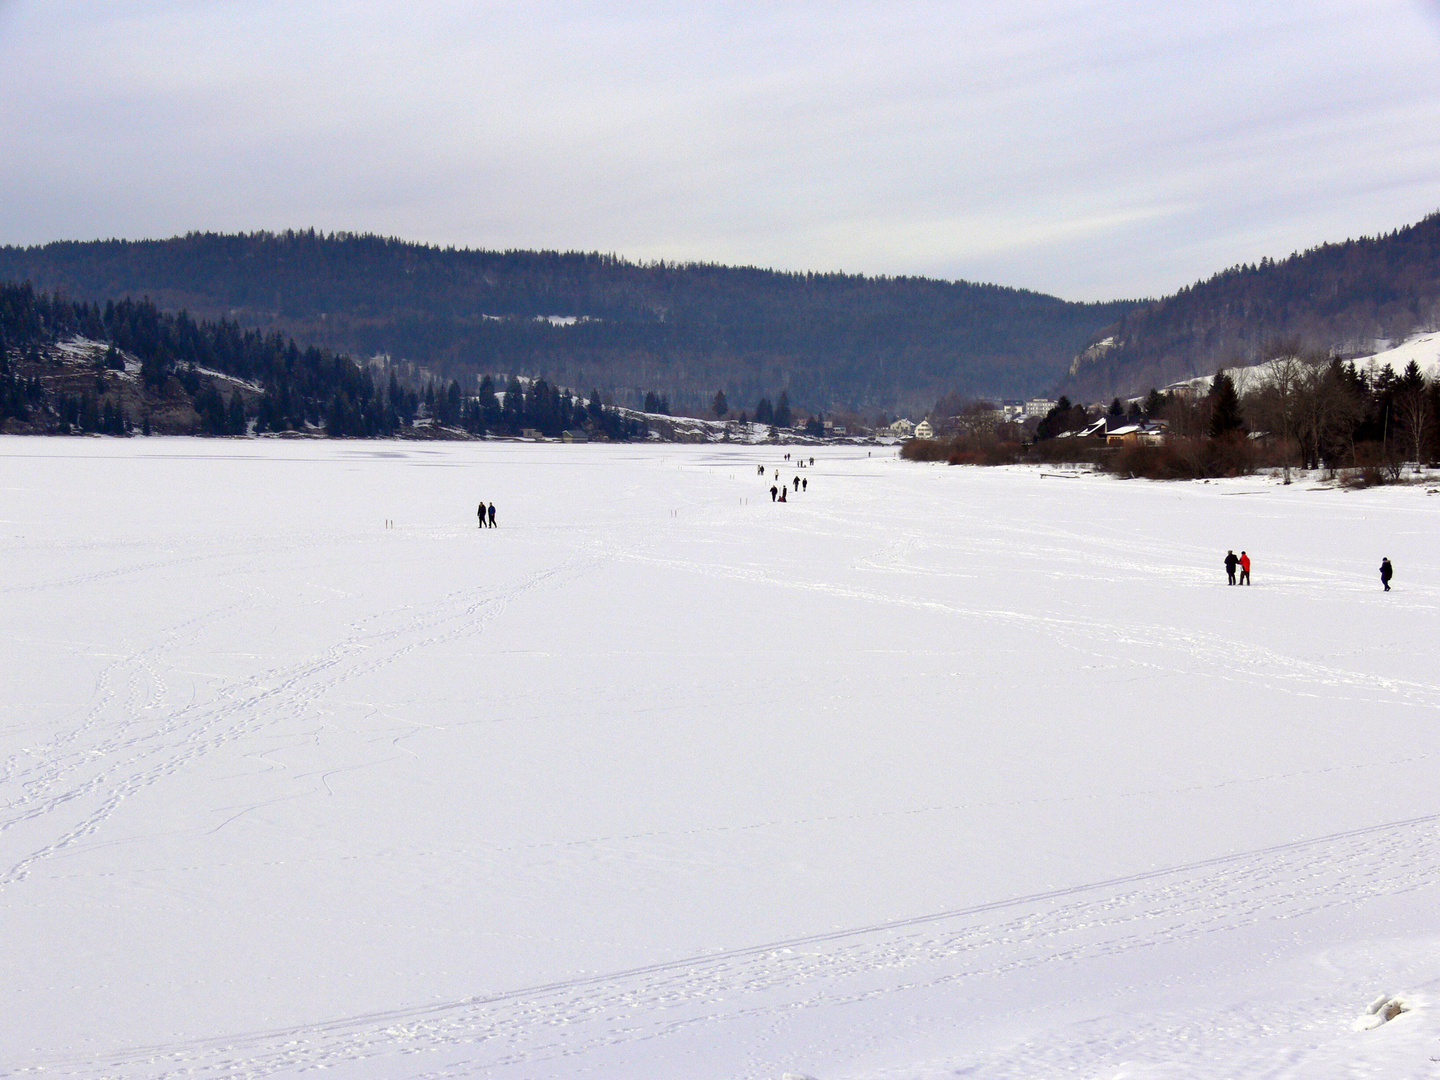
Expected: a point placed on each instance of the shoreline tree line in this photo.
(1296, 410)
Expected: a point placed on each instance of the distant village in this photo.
(1023, 421)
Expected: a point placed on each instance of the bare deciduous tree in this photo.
(1412, 420)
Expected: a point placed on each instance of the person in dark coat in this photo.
(1386, 573)
(805, 484)
(782, 494)
(492, 515)
(773, 492)
(481, 513)
(1244, 569)
(1230, 563)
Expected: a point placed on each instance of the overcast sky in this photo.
(1092, 150)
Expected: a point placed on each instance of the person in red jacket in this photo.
(1244, 569)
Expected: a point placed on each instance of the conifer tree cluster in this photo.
(537, 406)
(778, 414)
(291, 389)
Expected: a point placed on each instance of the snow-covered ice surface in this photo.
(931, 772)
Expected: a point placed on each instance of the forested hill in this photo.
(1338, 299)
(589, 320)
(68, 366)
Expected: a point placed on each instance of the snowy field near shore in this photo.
(930, 772)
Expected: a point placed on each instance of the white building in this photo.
(923, 430)
(902, 429)
(1039, 406)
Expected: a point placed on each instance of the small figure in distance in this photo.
(812, 460)
(481, 513)
(1244, 569)
(797, 483)
(782, 494)
(773, 492)
(805, 484)
(1230, 563)
(1386, 573)
(492, 515)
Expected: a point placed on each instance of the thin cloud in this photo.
(1092, 150)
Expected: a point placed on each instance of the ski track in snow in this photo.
(515, 1030)
(98, 764)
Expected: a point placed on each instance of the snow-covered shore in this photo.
(928, 772)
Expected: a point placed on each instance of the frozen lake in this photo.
(928, 772)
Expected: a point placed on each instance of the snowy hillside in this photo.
(1423, 349)
(927, 772)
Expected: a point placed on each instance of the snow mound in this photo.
(1381, 1011)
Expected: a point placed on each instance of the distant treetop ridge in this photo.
(829, 339)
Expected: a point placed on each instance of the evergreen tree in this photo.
(782, 410)
(512, 411)
(235, 417)
(1411, 378)
(89, 418)
(1224, 405)
(489, 404)
(719, 406)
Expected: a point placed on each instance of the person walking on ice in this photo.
(1230, 563)
(1244, 569)
(1386, 573)
(481, 513)
(773, 492)
(492, 515)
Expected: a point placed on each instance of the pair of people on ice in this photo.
(1242, 561)
(482, 513)
(781, 491)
